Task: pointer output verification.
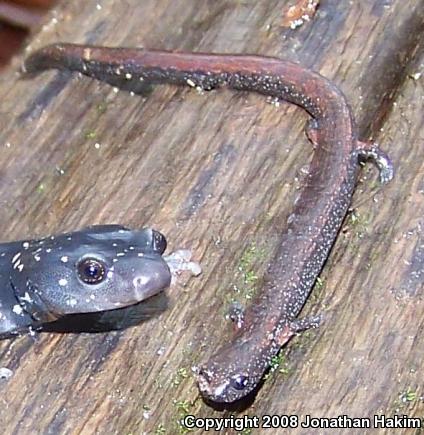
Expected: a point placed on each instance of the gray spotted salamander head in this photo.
(100, 268)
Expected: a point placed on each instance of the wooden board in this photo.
(218, 173)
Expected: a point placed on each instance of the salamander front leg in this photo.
(294, 327)
(299, 325)
(371, 151)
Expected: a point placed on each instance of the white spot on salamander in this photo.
(25, 245)
(64, 259)
(27, 298)
(16, 257)
(17, 309)
(37, 257)
(140, 280)
(17, 264)
(71, 302)
(220, 388)
(63, 281)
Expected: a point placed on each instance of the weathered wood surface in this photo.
(218, 172)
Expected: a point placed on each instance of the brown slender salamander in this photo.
(237, 367)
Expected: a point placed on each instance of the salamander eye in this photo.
(159, 242)
(239, 382)
(91, 271)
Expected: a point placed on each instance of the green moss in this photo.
(183, 408)
(101, 108)
(182, 373)
(90, 134)
(409, 395)
(160, 429)
(278, 364)
(181, 429)
(319, 284)
(407, 399)
(303, 340)
(249, 256)
(359, 224)
(356, 230)
(250, 277)
(246, 275)
(317, 291)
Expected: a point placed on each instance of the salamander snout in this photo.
(148, 277)
(217, 385)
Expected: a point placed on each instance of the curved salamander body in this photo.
(236, 368)
(100, 268)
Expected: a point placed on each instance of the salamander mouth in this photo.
(203, 381)
(208, 388)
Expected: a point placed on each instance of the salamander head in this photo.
(100, 268)
(231, 374)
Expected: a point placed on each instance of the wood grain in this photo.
(218, 172)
